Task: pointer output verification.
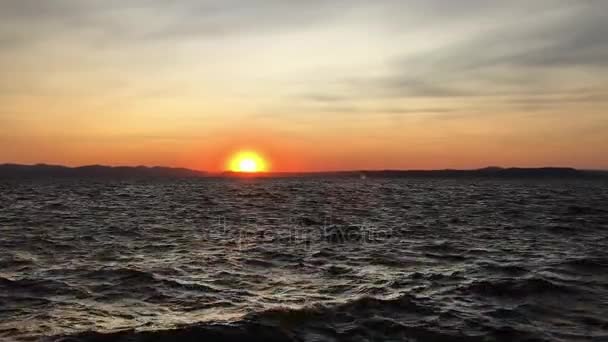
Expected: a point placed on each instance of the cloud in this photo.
(553, 55)
(436, 49)
(141, 21)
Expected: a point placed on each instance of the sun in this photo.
(247, 161)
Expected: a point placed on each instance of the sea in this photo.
(304, 259)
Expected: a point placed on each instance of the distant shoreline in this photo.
(44, 170)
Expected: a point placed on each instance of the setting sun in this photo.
(247, 161)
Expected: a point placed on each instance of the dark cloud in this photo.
(535, 55)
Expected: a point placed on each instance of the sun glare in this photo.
(247, 161)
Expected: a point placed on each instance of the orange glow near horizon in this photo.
(248, 162)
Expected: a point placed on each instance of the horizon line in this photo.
(223, 172)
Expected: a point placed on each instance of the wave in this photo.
(127, 277)
(583, 210)
(39, 287)
(364, 319)
(516, 288)
(591, 264)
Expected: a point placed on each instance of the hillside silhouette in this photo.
(44, 170)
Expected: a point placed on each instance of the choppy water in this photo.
(304, 260)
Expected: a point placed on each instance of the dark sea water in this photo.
(340, 259)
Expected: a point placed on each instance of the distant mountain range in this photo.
(496, 172)
(43, 170)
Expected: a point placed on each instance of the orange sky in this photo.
(327, 85)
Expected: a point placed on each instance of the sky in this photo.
(311, 85)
